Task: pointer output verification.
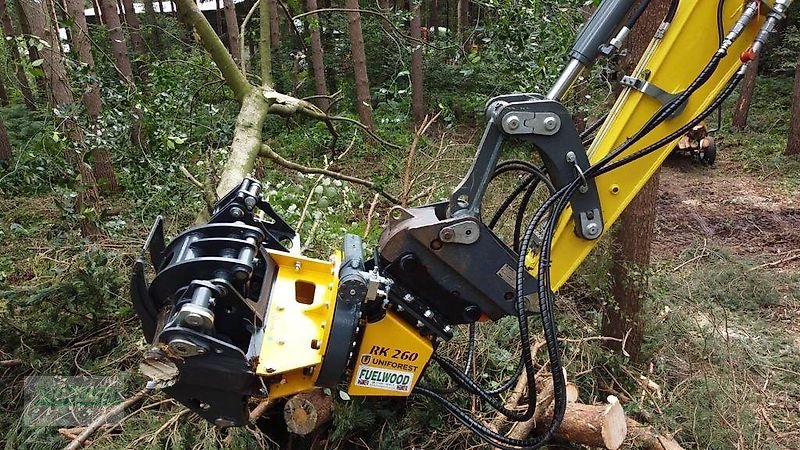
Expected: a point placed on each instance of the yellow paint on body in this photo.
(390, 359)
(671, 63)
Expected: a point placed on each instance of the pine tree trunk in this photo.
(274, 24)
(359, 65)
(33, 53)
(218, 16)
(793, 144)
(317, 59)
(435, 17)
(150, 18)
(417, 77)
(633, 235)
(232, 27)
(135, 32)
(97, 14)
(746, 90)
(5, 146)
(3, 93)
(22, 79)
(119, 49)
(462, 25)
(103, 169)
(38, 14)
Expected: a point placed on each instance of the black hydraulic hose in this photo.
(594, 126)
(673, 8)
(637, 13)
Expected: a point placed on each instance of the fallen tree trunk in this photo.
(308, 411)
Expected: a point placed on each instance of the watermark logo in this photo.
(71, 401)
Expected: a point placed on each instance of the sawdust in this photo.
(750, 217)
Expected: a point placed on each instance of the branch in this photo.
(264, 49)
(380, 15)
(102, 419)
(270, 154)
(423, 128)
(219, 54)
(242, 31)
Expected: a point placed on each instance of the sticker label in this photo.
(378, 378)
(508, 274)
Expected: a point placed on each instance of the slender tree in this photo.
(317, 60)
(96, 9)
(119, 49)
(634, 233)
(22, 79)
(5, 146)
(33, 51)
(151, 22)
(274, 24)
(462, 20)
(748, 86)
(3, 93)
(435, 16)
(364, 99)
(135, 33)
(417, 78)
(232, 27)
(793, 144)
(103, 168)
(41, 25)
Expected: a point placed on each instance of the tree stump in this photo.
(307, 411)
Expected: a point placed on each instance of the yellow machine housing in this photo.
(390, 359)
(295, 333)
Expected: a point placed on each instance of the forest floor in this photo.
(727, 258)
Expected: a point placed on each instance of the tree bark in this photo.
(602, 426)
(274, 24)
(3, 93)
(364, 104)
(633, 236)
(150, 18)
(39, 20)
(119, 49)
(793, 143)
(317, 59)
(97, 13)
(22, 79)
(103, 169)
(417, 77)
(33, 52)
(232, 27)
(308, 411)
(742, 110)
(462, 24)
(5, 146)
(135, 32)
(435, 17)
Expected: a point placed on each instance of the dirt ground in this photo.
(754, 218)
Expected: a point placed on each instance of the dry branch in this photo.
(645, 437)
(103, 419)
(267, 152)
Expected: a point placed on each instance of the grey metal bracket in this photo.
(549, 127)
(654, 91)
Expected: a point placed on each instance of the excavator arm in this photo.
(235, 315)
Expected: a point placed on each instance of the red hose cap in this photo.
(747, 55)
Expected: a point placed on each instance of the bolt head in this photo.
(447, 234)
(550, 123)
(237, 212)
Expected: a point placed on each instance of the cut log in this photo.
(601, 426)
(307, 411)
(645, 437)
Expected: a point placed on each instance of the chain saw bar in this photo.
(548, 126)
